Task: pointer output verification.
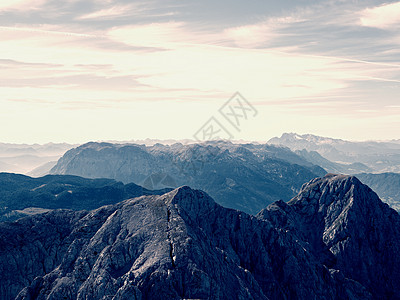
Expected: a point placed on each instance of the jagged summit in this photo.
(340, 191)
(349, 226)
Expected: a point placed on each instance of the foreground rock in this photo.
(335, 240)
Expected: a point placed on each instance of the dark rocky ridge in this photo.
(335, 240)
(247, 177)
(18, 192)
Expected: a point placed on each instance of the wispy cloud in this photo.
(385, 16)
(52, 30)
(115, 11)
(259, 34)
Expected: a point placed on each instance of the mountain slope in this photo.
(245, 177)
(386, 185)
(335, 240)
(19, 192)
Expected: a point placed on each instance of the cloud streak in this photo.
(21, 5)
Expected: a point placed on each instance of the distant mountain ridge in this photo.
(330, 166)
(247, 177)
(378, 156)
(23, 158)
(386, 185)
(334, 240)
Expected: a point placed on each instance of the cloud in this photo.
(137, 10)
(197, 62)
(117, 56)
(116, 11)
(150, 35)
(52, 30)
(259, 34)
(10, 5)
(167, 35)
(170, 34)
(386, 16)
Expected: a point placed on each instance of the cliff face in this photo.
(335, 240)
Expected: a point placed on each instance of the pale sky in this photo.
(75, 71)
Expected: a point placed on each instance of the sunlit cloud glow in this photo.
(386, 16)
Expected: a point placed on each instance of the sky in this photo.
(77, 71)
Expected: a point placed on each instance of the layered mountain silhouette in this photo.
(34, 159)
(334, 240)
(21, 195)
(247, 177)
(332, 167)
(360, 157)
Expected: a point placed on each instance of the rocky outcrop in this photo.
(349, 227)
(335, 240)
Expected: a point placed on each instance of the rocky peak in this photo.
(348, 226)
(320, 194)
(190, 200)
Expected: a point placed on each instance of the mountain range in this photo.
(386, 185)
(247, 177)
(35, 160)
(333, 167)
(334, 240)
(379, 157)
